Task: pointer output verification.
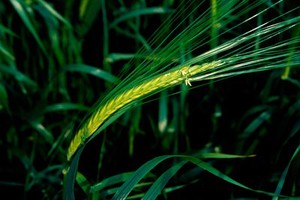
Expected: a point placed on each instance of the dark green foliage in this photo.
(57, 58)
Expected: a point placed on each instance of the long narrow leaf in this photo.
(65, 107)
(70, 174)
(83, 183)
(93, 71)
(139, 174)
(51, 10)
(284, 173)
(19, 76)
(138, 12)
(21, 10)
(128, 186)
(111, 181)
(161, 182)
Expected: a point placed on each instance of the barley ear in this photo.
(150, 86)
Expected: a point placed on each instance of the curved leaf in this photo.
(111, 181)
(93, 71)
(128, 186)
(138, 12)
(21, 10)
(19, 76)
(65, 106)
(161, 182)
(139, 174)
(51, 10)
(284, 173)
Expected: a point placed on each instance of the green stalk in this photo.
(215, 24)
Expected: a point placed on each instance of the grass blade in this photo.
(51, 10)
(163, 112)
(93, 71)
(88, 13)
(70, 174)
(21, 10)
(83, 183)
(138, 12)
(120, 178)
(161, 182)
(3, 98)
(65, 107)
(140, 173)
(284, 174)
(6, 53)
(19, 76)
(219, 174)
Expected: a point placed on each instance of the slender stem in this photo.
(105, 48)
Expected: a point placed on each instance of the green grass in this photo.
(234, 131)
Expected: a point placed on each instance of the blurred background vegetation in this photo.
(57, 58)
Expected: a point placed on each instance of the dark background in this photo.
(217, 116)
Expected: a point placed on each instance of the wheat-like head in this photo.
(162, 81)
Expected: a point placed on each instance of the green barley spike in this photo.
(168, 79)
